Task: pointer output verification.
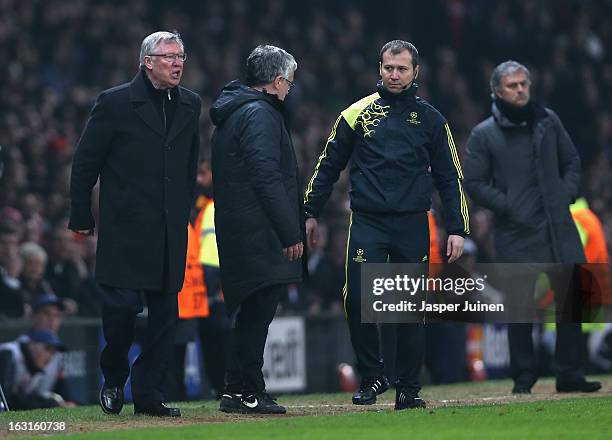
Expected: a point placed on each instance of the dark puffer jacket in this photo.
(258, 201)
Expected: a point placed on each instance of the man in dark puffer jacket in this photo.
(258, 217)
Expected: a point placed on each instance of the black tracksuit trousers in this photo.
(381, 238)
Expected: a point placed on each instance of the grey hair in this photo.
(504, 69)
(32, 250)
(151, 41)
(267, 62)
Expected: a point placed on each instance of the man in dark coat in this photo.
(522, 165)
(257, 216)
(142, 140)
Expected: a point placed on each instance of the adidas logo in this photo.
(376, 385)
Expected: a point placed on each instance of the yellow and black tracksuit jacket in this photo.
(399, 146)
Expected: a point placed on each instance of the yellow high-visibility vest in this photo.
(209, 255)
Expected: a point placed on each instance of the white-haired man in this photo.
(142, 141)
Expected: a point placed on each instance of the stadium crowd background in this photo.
(59, 54)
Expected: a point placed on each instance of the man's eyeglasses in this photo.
(170, 56)
(291, 83)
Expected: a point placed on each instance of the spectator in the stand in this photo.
(10, 298)
(47, 313)
(66, 269)
(12, 304)
(33, 281)
(23, 375)
(89, 290)
(32, 277)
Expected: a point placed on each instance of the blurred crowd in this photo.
(61, 53)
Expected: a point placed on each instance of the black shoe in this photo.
(111, 399)
(157, 409)
(370, 388)
(524, 383)
(521, 389)
(261, 403)
(583, 386)
(231, 403)
(406, 398)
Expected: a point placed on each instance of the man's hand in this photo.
(294, 251)
(454, 247)
(312, 232)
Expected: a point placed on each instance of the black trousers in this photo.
(568, 353)
(118, 322)
(174, 385)
(215, 331)
(381, 238)
(568, 347)
(248, 340)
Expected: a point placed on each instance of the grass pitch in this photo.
(475, 410)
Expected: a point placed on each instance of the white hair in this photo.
(151, 41)
(32, 250)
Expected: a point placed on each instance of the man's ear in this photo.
(416, 72)
(277, 81)
(148, 63)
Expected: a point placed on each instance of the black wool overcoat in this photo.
(147, 181)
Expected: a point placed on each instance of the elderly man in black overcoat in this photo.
(258, 216)
(522, 165)
(142, 141)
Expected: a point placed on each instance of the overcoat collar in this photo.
(144, 108)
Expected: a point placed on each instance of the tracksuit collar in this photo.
(406, 95)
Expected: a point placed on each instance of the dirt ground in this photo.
(299, 406)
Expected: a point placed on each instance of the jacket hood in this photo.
(233, 96)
